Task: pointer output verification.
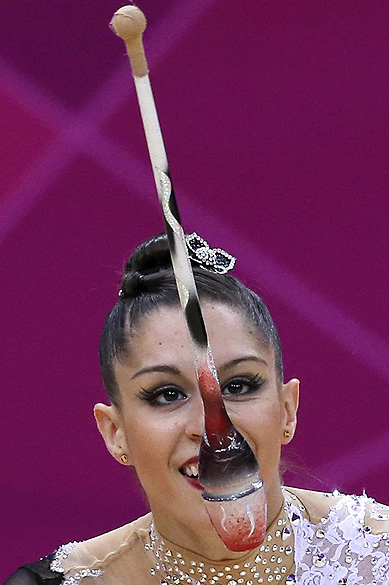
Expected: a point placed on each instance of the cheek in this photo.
(151, 441)
(261, 426)
(256, 416)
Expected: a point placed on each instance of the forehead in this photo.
(162, 337)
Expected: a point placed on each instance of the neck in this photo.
(200, 537)
(272, 561)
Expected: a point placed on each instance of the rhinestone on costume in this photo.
(291, 579)
(286, 533)
(77, 577)
(295, 518)
(319, 560)
(61, 554)
(320, 533)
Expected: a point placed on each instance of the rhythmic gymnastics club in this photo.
(234, 492)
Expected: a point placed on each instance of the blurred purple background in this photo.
(274, 118)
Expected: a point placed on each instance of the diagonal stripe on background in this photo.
(77, 128)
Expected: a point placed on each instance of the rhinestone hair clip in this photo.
(212, 259)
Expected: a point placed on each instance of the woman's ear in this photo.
(109, 425)
(290, 401)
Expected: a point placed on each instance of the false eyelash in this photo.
(149, 394)
(152, 394)
(254, 381)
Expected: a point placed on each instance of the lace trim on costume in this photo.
(340, 549)
(61, 554)
(379, 512)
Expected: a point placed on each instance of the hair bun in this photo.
(150, 257)
(147, 261)
(131, 284)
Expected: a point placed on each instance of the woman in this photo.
(155, 423)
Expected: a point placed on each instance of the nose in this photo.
(195, 418)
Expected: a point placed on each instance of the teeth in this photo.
(191, 470)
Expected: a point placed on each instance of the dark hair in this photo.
(149, 283)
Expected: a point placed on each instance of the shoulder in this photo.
(339, 538)
(319, 505)
(83, 559)
(94, 554)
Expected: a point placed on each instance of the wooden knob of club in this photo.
(129, 23)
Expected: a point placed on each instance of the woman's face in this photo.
(160, 422)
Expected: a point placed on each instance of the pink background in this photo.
(274, 117)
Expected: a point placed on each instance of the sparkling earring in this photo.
(124, 458)
(286, 434)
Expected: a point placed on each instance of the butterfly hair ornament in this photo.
(212, 259)
(234, 492)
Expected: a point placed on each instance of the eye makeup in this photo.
(242, 386)
(162, 395)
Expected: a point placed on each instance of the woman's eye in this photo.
(163, 396)
(242, 386)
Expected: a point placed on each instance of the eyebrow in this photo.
(237, 361)
(166, 369)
